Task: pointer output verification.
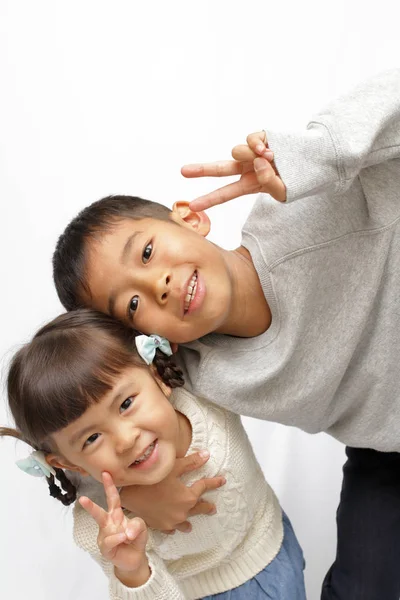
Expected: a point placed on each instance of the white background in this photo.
(113, 97)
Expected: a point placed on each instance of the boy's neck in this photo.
(250, 314)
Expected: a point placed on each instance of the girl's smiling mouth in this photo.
(148, 458)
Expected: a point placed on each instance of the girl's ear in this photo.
(59, 462)
(166, 390)
(183, 215)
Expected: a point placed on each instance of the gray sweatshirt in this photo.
(329, 264)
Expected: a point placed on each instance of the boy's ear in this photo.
(198, 221)
(59, 462)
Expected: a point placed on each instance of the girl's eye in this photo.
(91, 439)
(147, 253)
(126, 404)
(134, 303)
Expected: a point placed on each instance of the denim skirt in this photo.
(282, 579)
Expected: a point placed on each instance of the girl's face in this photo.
(132, 433)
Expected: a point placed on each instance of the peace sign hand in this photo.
(254, 163)
(122, 541)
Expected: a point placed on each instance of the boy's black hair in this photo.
(69, 258)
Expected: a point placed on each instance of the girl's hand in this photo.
(167, 505)
(253, 162)
(122, 541)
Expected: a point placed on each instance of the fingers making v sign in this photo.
(122, 541)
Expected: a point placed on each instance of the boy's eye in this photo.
(126, 404)
(147, 253)
(91, 439)
(133, 304)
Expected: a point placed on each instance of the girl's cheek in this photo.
(97, 466)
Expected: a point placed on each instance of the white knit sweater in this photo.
(222, 551)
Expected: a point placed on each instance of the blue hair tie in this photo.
(147, 346)
(35, 464)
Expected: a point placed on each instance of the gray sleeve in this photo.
(357, 131)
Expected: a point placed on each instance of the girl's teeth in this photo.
(145, 454)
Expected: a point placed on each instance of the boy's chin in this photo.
(190, 336)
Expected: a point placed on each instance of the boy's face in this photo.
(161, 277)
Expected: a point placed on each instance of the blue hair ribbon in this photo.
(147, 346)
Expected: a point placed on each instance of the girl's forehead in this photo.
(131, 381)
(94, 417)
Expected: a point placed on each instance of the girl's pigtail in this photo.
(169, 372)
(70, 490)
(55, 491)
(9, 432)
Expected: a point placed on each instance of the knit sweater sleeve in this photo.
(357, 131)
(160, 586)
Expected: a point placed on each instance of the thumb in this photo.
(136, 531)
(269, 180)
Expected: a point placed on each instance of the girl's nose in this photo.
(126, 438)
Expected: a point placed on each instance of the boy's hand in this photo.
(253, 162)
(167, 505)
(122, 541)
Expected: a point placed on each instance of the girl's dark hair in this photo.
(71, 363)
(69, 258)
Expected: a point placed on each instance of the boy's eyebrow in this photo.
(111, 305)
(126, 250)
(128, 246)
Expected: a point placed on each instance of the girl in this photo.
(84, 400)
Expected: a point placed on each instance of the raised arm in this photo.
(359, 130)
(118, 544)
(356, 131)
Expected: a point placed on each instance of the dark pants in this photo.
(367, 565)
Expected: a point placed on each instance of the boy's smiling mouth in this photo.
(190, 292)
(194, 294)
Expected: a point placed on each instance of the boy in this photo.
(309, 302)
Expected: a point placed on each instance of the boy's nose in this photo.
(162, 288)
(154, 283)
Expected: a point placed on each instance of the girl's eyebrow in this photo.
(79, 434)
(121, 394)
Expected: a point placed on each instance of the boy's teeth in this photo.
(191, 291)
